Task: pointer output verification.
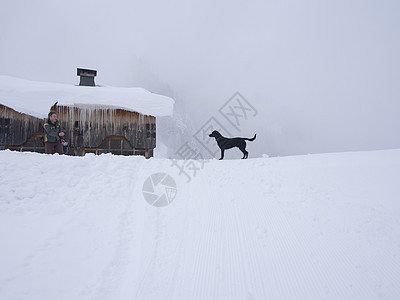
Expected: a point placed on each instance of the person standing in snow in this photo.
(53, 135)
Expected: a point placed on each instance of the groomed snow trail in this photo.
(306, 227)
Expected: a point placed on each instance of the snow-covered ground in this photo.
(303, 227)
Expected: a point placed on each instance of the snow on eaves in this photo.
(36, 98)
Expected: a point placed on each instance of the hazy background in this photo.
(323, 75)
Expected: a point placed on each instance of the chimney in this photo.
(87, 77)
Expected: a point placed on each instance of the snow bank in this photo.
(36, 98)
(306, 227)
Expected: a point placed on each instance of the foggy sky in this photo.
(323, 75)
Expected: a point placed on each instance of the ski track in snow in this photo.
(307, 227)
(113, 273)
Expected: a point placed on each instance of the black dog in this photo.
(225, 143)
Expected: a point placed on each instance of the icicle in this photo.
(89, 124)
(97, 114)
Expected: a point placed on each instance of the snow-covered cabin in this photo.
(96, 119)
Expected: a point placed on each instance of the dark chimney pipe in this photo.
(87, 77)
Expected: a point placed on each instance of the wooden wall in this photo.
(90, 127)
(88, 130)
(16, 127)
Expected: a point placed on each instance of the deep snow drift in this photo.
(306, 227)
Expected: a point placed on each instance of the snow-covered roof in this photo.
(36, 98)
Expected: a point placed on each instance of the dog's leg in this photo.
(245, 153)
(222, 154)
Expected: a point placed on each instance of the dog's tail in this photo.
(252, 139)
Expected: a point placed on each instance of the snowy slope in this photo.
(306, 227)
(36, 98)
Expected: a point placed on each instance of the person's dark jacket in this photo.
(51, 131)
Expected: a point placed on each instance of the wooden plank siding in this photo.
(16, 128)
(105, 130)
(88, 130)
